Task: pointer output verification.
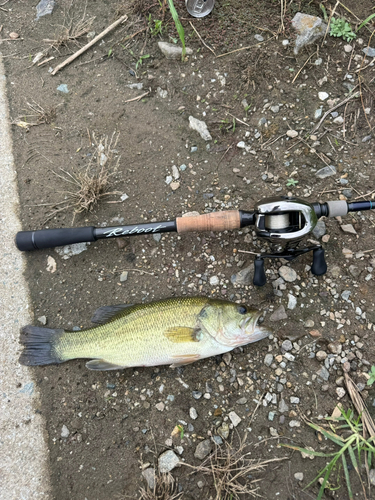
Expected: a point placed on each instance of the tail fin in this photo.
(39, 346)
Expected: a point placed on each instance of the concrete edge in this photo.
(24, 473)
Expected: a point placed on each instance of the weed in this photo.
(91, 184)
(365, 22)
(165, 488)
(341, 28)
(291, 182)
(155, 26)
(354, 445)
(179, 27)
(181, 430)
(371, 380)
(140, 60)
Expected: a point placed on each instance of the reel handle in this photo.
(259, 278)
(319, 265)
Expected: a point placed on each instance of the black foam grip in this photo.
(49, 238)
(319, 266)
(259, 273)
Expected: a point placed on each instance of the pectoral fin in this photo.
(184, 359)
(101, 364)
(179, 334)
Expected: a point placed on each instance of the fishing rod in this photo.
(282, 220)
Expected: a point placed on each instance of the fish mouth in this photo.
(249, 324)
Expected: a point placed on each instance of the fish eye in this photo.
(242, 309)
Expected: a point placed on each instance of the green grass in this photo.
(354, 449)
(179, 27)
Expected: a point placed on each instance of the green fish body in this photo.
(173, 331)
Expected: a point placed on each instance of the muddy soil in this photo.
(114, 423)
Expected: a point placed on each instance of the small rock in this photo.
(241, 145)
(193, 413)
(369, 51)
(367, 138)
(64, 431)
(63, 88)
(217, 440)
(200, 127)
(275, 109)
(197, 394)
(292, 301)
(340, 391)
(168, 461)
(318, 61)
(294, 423)
(285, 43)
(323, 373)
(175, 172)
(259, 38)
(227, 358)
(69, 251)
(268, 359)
(243, 277)
(241, 401)
(44, 7)
(335, 347)
(283, 407)
(223, 431)
(348, 228)
(287, 345)
(294, 400)
(318, 113)
(309, 28)
(124, 276)
(288, 273)
(308, 455)
(308, 323)
(339, 120)
(348, 48)
(326, 172)
(160, 406)
(43, 320)
(149, 475)
(13, 35)
(235, 419)
(292, 133)
(174, 185)
(279, 314)
(346, 294)
(323, 96)
(320, 229)
(298, 476)
(172, 51)
(203, 449)
(372, 477)
(321, 355)
(214, 280)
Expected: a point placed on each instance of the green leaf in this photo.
(179, 27)
(365, 22)
(346, 473)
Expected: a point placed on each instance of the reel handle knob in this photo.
(259, 274)
(319, 265)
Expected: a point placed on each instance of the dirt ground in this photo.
(114, 429)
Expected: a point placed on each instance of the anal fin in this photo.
(184, 359)
(101, 364)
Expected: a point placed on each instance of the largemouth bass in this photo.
(174, 331)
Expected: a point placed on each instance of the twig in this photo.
(245, 48)
(10, 39)
(244, 123)
(352, 96)
(257, 406)
(268, 143)
(137, 98)
(367, 194)
(329, 22)
(46, 61)
(90, 44)
(369, 64)
(295, 78)
(200, 38)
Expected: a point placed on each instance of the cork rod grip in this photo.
(216, 221)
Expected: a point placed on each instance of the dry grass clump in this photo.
(165, 488)
(233, 471)
(92, 183)
(39, 116)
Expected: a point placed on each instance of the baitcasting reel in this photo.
(282, 220)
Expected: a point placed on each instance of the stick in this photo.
(245, 48)
(90, 44)
(137, 98)
(333, 109)
(200, 38)
(295, 78)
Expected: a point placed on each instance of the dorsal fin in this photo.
(107, 313)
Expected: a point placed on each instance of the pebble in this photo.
(175, 185)
(275, 109)
(214, 280)
(168, 179)
(175, 172)
(339, 120)
(318, 113)
(348, 48)
(323, 373)
(369, 51)
(294, 423)
(200, 127)
(160, 406)
(292, 301)
(168, 461)
(287, 345)
(367, 138)
(235, 419)
(321, 355)
(197, 394)
(203, 449)
(283, 407)
(348, 228)
(243, 277)
(223, 431)
(298, 476)
(43, 320)
(279, 314)
(241, 145)
(193, 413)
(149, 475)
(372, 476)
(292, 133)
(340, 391)
(318, 61)
(259, 38)
(288, 273)
(124, 276)
(241, 401)
(323, 96)
(294, 400)
(65, 431)
(268, 359)
(285, 43)
(327, 171)
(227, 358)
(320, 229)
